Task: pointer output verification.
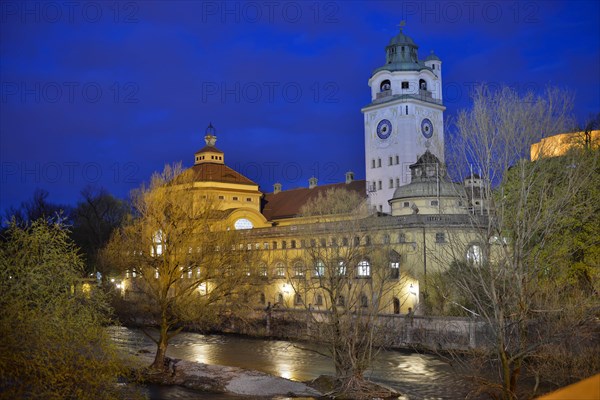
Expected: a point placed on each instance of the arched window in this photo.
(297, 299)
(396, 305)
(364, 268)
(319, 300)
(298, 269)
(364, 301)
(474, 255)
(280, 299)
(262, 298)
(341, 301)
(280, 270)
(385, 85)
(422, 84)
(262, 270)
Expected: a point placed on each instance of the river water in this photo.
(419, 376)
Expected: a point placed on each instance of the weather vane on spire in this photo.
(402, 24)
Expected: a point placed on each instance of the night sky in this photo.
(105, 93)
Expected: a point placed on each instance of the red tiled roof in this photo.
(211, 172)
(287, 204)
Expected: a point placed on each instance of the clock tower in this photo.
(404, 119)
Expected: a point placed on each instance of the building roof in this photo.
(287, 203)
(213, 172)
(432, 57)
(211, 149)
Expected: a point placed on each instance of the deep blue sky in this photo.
(106, 93)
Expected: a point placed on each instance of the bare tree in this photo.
(183, 264)
(95, 217)
(504, 277)
(345, 281)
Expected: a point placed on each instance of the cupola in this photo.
(209, 153)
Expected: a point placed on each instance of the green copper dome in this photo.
(432, 57)
(402, 55)
(402, 39)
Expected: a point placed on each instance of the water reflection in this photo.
(419, 376)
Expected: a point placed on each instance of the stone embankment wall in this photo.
(401, 331)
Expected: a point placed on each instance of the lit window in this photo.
(266, 245)
(364, 268)
(394, 270)
(280, 270)
(341, 268)
(474, 255)
(262, 270)
(243, 223)
(298, 270)
(319, 269)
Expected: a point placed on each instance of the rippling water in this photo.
(419, 376)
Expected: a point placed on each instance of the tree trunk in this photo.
(161, 349)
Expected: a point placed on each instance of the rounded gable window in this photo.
(243, 223)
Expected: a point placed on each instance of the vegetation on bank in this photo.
(54, 344)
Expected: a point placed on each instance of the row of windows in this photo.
(213, 157)
(318, 301)
(392, 160)
(386, 84)
(235, 198)
(322, 242)
(392, 183)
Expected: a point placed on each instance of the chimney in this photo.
(349, 177)
(312, 182)
(276, 188)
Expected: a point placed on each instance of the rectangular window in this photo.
(364, 269)
(303, 243)
(374, 186)
(397, 160)
(379, 185)
(390, 161)
(391, 183)
(323, 242)
(379, 163)
(401, 238)
(235, 198)
(249, 246)
(248, 199)
(440, 237)
(293, 244)
(397, 182)
(266, 245)
(405, 85)
(406, 110)
(434, 203)
(274, 245)
(284, 244)
(221, 197)
(406, 204)
(373, 163)
(394, 270)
